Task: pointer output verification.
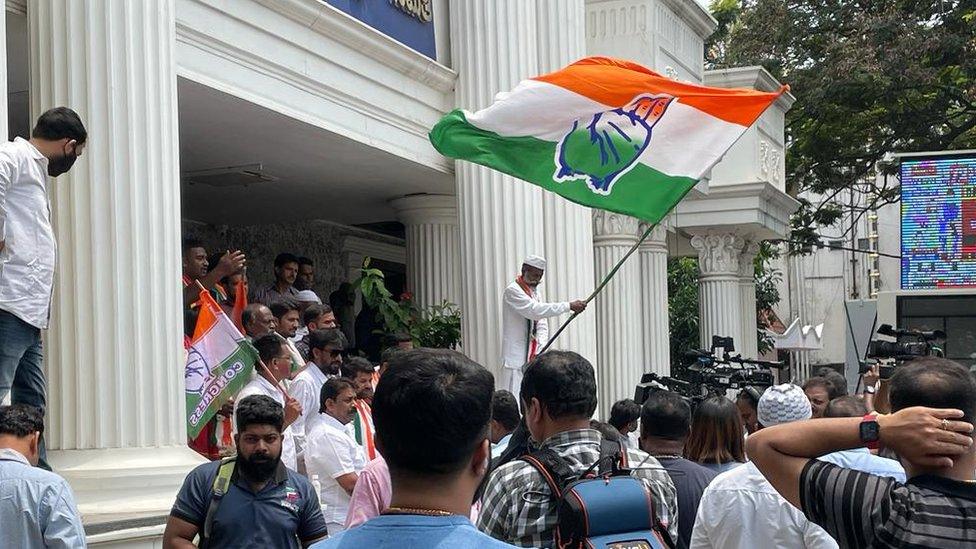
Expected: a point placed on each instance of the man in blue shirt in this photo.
(859, 459)
(265, 505)
(37, 508)
(444, 399)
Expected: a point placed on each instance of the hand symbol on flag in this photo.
(610, 144)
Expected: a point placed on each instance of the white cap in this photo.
(308, 296)
(535, 261)
(783, 404)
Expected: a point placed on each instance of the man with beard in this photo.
(332, 454)
(28, 252)
(258, 501)
(360, 372)
(326, 349)
(525, 330)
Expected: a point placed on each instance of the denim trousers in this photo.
(22, 366)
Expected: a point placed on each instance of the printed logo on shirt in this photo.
(291, 494)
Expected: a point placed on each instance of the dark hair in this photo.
(825, 384)
(259, 410)
(60, 123)
(438, 396)
(268, 346)
(319, 339)
(281, 308)
(665, 415)
(607, 431)
(564, 383)
(846, 406)
(623, 412)
(936, 383)
(390, 353)
(21, 420)
(331, 390)
(751, 395)
(283, 258)
(400, 337)
(190, 243)
(354, 366)
(716, 433)
(504, 409)
(313, 312)
(305, 261)
(836, 380)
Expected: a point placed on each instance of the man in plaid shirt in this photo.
(558, 399)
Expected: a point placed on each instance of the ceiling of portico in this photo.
(320, 174)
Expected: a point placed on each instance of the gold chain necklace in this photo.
(417, 511)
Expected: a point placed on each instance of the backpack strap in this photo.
(613, 458)
(221, 484)
(554, 469)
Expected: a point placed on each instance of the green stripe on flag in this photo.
(642, 192)
(225, 381)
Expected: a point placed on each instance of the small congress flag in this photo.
(605, 133)
(219, 363)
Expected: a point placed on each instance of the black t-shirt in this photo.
(863, 510)
(690, 480)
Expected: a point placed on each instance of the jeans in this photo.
(22, 366)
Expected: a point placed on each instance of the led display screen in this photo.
(938, 222)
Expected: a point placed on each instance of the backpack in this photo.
(604, 510)
(221, 483)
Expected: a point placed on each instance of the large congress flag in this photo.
(605, 133)
(219, 363)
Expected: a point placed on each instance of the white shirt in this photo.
(29, 254)
(740, 508)
(517, 310)
(261, 386)
(305, 388)
(330, 453)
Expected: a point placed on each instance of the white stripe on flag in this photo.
(682, 142)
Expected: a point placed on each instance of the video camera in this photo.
(909, 345)
(710, 373)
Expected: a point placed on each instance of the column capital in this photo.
(719, 254)
(610, 227)
(657, 241)
(426, 209)
(746, 260)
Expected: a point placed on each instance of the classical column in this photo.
(620, 352)
(568, 226)
(718, 286)
(654, 289)
(114, 358)
(747, 301)
(4, 125)
(501, 218)
(433, 270)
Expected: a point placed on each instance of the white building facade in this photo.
(303, 123)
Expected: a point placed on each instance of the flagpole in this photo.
(602, 285)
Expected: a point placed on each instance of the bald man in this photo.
(525, 328)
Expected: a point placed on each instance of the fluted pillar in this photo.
(4, 124)
(718, 286)
(114, 358)
(433, 270)
(747, 301)
(654, 289)
(568, 226)
(493, 48)
(620, 353)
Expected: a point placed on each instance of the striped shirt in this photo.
(863, 510)
(518, 507)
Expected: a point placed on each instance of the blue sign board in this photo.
(410, 22)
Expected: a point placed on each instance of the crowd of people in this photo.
(333, 445)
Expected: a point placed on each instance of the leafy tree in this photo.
(870, 77)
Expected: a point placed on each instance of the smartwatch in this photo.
(869, 431)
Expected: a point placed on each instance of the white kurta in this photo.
(518, 310)
(261, 386)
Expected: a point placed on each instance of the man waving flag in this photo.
(605, 133)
